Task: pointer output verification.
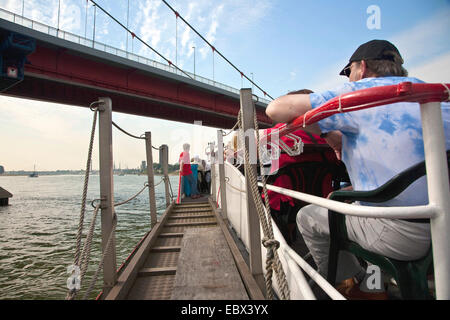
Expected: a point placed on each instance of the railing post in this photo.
(254, 232)
(438, 191)
(222, 183)
(107, 192)
(150, 178)
(164, 161)
(213, 171)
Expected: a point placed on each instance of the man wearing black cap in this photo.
(375, 144)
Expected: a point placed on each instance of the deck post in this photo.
(107, 193)
(438, 191)
(222, 182)
(164, 161)
(213, 171)
(254, 232)
(150, 178)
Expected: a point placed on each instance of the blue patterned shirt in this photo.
(380, 142)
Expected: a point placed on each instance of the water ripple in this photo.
(38, 231)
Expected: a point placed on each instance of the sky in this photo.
(283, 45)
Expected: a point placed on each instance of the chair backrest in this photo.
(312, 177)
(390, 189)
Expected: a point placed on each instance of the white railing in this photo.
(293, 264)
(426, 211)
(438, 209)
(65, 35)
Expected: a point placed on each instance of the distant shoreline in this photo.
(73, 173)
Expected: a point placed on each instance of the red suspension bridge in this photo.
(45, 63)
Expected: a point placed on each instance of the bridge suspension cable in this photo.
(214, 49)
(142, 41)
(193, 29)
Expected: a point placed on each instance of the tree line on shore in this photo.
(157, 169)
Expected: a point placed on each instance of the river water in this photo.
(38, 230)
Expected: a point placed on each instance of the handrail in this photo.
(412, 212)
(293, 262)
(299, 262)
(371, 97)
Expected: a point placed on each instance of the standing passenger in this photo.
(186, 172)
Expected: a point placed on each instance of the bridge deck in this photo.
(188, 256)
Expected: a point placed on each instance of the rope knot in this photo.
(270, 244)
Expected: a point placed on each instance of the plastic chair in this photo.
(411, 276)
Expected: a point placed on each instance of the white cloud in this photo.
(50, 135)
(150, 26)
(425, 39)
(422, 48)
(12, 5)
(186, 36)
(293, 75)
(329, 78)
(71, 16)
(435, 70)
(243, 14)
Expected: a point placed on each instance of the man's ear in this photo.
(363, 70)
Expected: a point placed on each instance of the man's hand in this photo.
(334, 140)
(348, 188)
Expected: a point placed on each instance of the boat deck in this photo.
(188, 255)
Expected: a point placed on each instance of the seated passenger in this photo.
(313, 172)
(376, 144)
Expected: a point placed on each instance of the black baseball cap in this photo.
(372, 50)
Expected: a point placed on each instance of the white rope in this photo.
(84, 255)
(127, 133)
(232, 129)
(123, 202)
(233, 187)
(272, 258)
(102, 261)
(72, 293)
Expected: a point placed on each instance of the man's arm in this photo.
(287, 108)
